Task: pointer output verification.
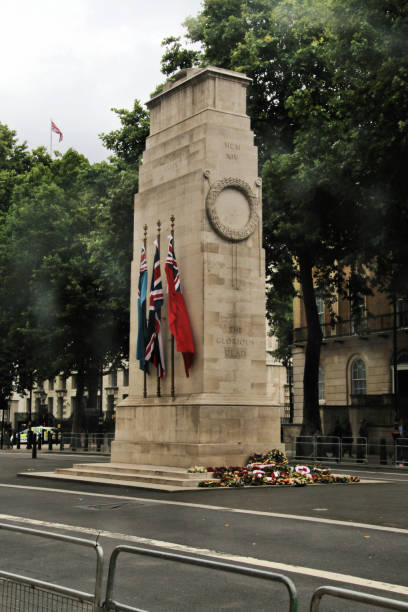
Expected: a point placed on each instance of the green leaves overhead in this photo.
(328, 104)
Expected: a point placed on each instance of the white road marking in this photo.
(282, 567)
(404, 473)
(146, 500)
(379, 477)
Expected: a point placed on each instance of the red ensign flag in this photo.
(179, 322)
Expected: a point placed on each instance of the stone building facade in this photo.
(53, 402)
(363, 363)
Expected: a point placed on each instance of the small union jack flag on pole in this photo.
(154, 347)
(56, 129)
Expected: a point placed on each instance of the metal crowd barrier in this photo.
(361, 450)
(21, 593)
(98, 442)
(374, 600)
(111, 604)
(401, 451)
(330, 448)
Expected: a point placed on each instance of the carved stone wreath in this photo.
(224, 230)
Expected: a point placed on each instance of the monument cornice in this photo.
(201, 399)
(187, 76)
(197, 114)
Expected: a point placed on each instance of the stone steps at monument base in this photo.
(169, 478)
(138, 469)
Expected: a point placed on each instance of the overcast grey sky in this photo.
(73, 60)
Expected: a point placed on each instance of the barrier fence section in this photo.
(22, 593)
(374, 600)
(67, 441)
(332, 448)
(100, 442)
(361, 450)
(111, 604)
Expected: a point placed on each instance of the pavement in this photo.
(352, 536)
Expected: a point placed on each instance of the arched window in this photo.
(322, 391)
(358, 377)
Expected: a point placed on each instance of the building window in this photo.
(50, 384)
(358, 377)
(51, 405)
(322, 391)
(357, 313)
(113, 378)
(74, 381)
(60, 402)
(125, 377)
(320, 310)
(402, 312)
(62, 383)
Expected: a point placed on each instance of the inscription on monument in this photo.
(234, 342)
(232, 150)
(231, 353)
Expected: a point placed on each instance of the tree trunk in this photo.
(311, 414)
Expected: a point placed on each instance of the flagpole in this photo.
(158, 364)
(144, 371)
(173, 391)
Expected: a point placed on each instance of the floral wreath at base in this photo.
(270, 469)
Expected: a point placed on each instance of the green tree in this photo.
(66, 229)
(14, 161)
(362, 121)
(128, 141)
(275, 46)
(70, 315)
(328, 91)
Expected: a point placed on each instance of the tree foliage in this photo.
(328, 105)
(128, 142)
(65, 254)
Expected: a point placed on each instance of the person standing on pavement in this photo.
(399, 443)
(362, 441)
(30, 437)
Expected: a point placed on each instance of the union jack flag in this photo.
(172, 263)
(154, 347)
(56, 129)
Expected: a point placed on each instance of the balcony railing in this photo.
(370, 324)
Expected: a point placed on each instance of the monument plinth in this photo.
(200, 165)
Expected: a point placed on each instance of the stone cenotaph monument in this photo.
(200, 165)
